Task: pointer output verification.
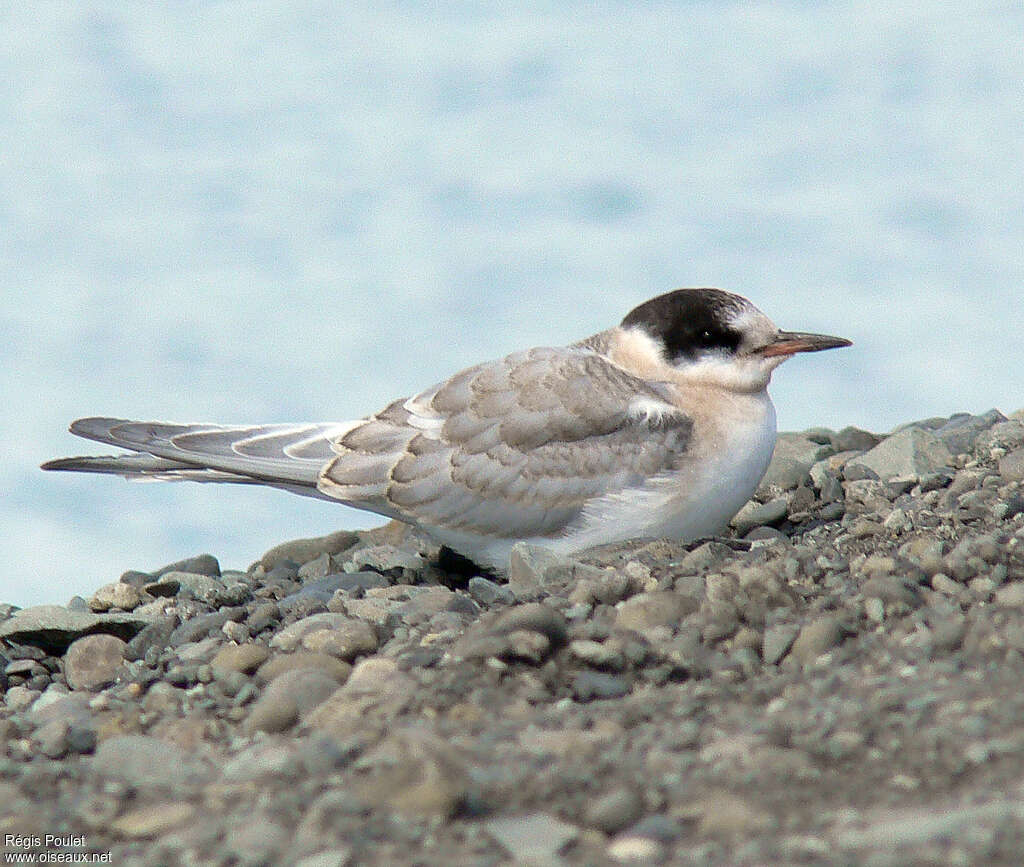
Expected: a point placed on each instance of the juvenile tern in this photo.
(660, 426)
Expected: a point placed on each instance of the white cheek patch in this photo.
(734, 374)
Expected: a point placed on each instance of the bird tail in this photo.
(288, 456)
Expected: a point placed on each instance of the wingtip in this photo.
(61, 464)
(93, 426)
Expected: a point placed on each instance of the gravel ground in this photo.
(838, 682)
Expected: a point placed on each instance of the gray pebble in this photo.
(960, 433)
(792, 460)
(755, 514)
(816, 638)
(532, 838)
(54, 627)
(534, 617)
(912, 451)
(256, 839)
(1011, 466)
(117, 595)
(153, 820)
(614, 811)
(244, 658)
(203, 564)
(199, 627)
(92, 662)
(590, 685)
(304, 550)
(487, 592)
(20, 697)
(289, 697)
(316, 591)
(702, 558)
(24, 668)
(777, 641)
(854, 439)
(148, 763)
(300, 659)
(649, 610)
(529, 566)
(386, 559)
(854, 471)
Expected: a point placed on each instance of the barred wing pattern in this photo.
(513, 448)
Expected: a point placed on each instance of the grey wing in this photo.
(290, 456)
(512, 448)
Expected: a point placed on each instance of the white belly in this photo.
(732, 446)
(730, 456)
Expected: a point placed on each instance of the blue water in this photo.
(280, 211)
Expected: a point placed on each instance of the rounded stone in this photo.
(816, 638)
(116, 595)
(245, 658)
(619, 809)
(284, 662)
(92, 662)
(289, 697)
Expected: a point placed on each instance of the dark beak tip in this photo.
(792, 342)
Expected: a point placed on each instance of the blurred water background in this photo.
(236, 211)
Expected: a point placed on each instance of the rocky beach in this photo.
(838, 681)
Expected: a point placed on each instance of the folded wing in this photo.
(512, 448)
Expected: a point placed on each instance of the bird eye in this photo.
(706, 337)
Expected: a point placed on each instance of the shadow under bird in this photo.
(658, 427)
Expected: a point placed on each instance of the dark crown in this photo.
(689, 321)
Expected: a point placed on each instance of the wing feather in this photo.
(512, 448)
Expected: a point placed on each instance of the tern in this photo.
(660, 426)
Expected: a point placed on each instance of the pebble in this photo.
(529, 566)
(289, 697)
(148, 763)
(153, 820)
(20, 697)
(854, 439)
(55, 627)
(281, 663)
(305, 550)
(755, 514)
(536, 837)
(777, 641)
(257, 839)
(816, 638)
(198, 627)
(117, 595)
(245, 658)
(792, 460)
(1011, 466)
(912, 451)
(534, 617)
(386, 559)
(1011, 596)
(345, 641)
(729, 815)
(487, 592)
(614, 811)
(650, 610)
(636, 850)
(591, 685)
(92, 662)
(202, 564)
